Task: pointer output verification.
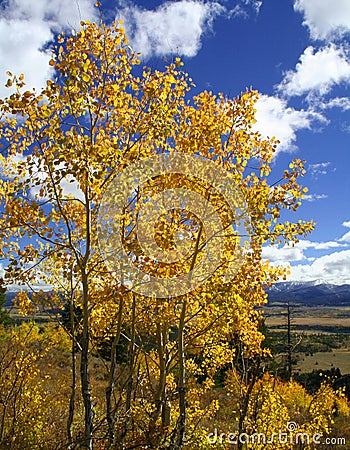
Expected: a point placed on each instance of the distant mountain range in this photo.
(313, 293)
(11, 294)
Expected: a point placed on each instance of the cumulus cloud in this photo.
(317, 72)
(26, 27)
(289, 254)
(319, 245)
(20, 52)
(57, 13)
(333, 268)
(324, 18)
(275, 118)
(346, 236)
(172, 28)
(282, 255)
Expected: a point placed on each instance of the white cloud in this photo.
(325, 18)
(323, 245)
(337, 102)
(26, 27)
(275, 118)
(333, 268)
(9, 167)
(69, 185)
(282, 255)
(289, 254)
(38, 285)
(70, 188)
(57, 13)
(244, 8)
(20, 45)
(255, 4)
(346, 237)
(317, 72)
(321, 168)
(314, 197)
(172, 28)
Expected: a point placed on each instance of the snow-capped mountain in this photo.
(310, 293)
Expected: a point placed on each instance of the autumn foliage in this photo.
(61, 148)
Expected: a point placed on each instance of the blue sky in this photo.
(296, 53)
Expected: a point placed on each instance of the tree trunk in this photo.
(182, 378)
(162, 406)
(131, 378)
(84, 369)
(73, 387)
(244, 402)
(181, 429)
(110, 413)
(181, 426)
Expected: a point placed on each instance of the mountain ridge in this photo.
(310, 293)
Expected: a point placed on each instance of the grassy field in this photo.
(326, 360)
(312, 317)
(313, 322)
